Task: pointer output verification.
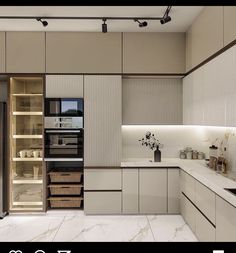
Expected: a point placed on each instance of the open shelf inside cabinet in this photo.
(26, 144)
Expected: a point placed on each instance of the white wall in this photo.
(175, 138)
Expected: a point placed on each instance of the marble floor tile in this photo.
(105, 228)
(170, 228)
(29, 228)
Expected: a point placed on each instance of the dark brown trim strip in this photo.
(199, 210)
(222, 50)
(102, 190)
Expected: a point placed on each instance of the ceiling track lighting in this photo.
(104, 26)
(44, 22)
(141, 24)
(166, 18)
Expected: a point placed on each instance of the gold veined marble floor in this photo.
(74, 226)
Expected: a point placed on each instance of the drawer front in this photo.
(65, 177)
(65, 189)
(205, 231)
(188, 212)
(102, 179)
(102, 202)
(187, 185)
(65, 202)
(205, 201)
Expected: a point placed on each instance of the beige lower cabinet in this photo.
(225, 221)
(130, 191)
(173, 191)
(102, 202)
(204, 230)
(187, 185)
(188, 211)
(152, 191)
(102, 179)
(206, 201)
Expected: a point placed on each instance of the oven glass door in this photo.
(64, 143)
(72, 107)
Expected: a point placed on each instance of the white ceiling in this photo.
(182, 18)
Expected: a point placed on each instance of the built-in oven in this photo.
(63, 143)
(64, 107)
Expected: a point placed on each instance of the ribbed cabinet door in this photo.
(2, 52)
(67, 86)
(102, 120)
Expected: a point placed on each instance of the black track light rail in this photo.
(89, 18)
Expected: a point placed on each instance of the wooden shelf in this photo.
(18, 159)
(27, 136)
(27, 209)
(26, 95)
(27, 203)
(27, 113)
(27, 181)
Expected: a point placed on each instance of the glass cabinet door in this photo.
(26, 144)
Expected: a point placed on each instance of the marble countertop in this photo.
(197, 169)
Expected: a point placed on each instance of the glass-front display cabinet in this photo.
(26, 143)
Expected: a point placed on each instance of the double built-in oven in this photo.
(63, 124)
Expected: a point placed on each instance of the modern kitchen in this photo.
(117, 123)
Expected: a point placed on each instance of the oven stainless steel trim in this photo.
(62, 131)
(63, 159)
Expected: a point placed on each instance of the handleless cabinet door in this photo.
(173, 191)
(68, 86)
(205, 201)
(25, 52)
(152, 191)
(130, 190)
(187, 185)
(225, 221)
(205, 231)
(83, 52)
(188, 211)
(102, 120)
(142, 52)
(2, 52)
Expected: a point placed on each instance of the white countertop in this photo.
(197, 169)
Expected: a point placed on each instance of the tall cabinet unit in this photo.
(26, 168)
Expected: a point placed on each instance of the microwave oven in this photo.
(64, 107)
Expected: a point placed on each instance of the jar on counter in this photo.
(189, 154)
(182, 154)
(200, 155)
(195, 154)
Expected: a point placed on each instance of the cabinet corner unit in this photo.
(26, 167)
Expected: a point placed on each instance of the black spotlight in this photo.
(165, 20)
(104, 26)
(141, 24)
(44, 22)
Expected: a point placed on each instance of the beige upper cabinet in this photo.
(25, 52)
(205, 36)
(153, 53)
(2, 52)
(152, 101)
(80, 52)
(229, 21)
(102, 120)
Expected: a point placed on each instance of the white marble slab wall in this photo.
(175, 138)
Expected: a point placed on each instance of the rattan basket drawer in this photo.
(65, 177)
(71, 189)
(65, 202)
